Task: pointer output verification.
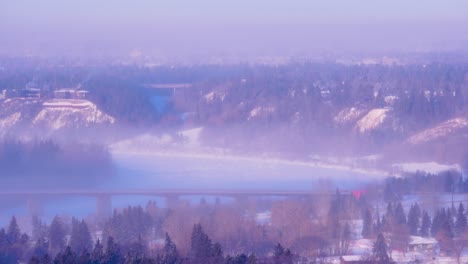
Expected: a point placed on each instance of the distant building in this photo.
(69, 93)
(423, 244)
(30, 93)
(64, 94)
(81, 94)
(11, 93)
(23, 93)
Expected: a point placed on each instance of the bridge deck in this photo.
(163, 192)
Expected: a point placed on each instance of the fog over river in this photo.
(201, 172)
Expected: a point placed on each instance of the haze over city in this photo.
(195, 29)
(233, 132)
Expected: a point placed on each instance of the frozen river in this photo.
(224, 172)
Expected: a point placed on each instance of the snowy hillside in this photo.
(50, 115)
(444, 129)
(373, 120)
(58, 114)
(349, 115)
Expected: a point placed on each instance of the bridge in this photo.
(104, 197)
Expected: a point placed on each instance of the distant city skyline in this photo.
(204, 28)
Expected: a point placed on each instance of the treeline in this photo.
(296, 107)
(46, 164)
(420, 182)
(317, 91)
(54, 247)
(125, 99)
(313, 229)
(448, 226)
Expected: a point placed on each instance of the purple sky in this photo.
(229, 28)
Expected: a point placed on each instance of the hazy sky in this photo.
(224, 28)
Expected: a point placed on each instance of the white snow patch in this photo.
(372, 120)
(10, 120)
(439, 131)
(361, 246)
(260, 111)
(192, 137)
(390, 100)
(209, 97)
(418, 240)
(348, 115)
(67, 103)
(58, 115)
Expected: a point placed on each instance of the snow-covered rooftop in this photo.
(67, 103)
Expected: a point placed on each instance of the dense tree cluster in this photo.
(247, 107)
(424, 183)
(56, 248)
(45, 163)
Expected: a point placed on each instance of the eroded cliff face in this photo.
(49, 115)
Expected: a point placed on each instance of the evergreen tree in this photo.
(367, 223)
(97, 256)
(380, 249)
(217, 253)
(66, 257)
(170, 253)
(278, 251)
(437, 221)
(448, 226)
(239, 259)
(252, 259)
(40, 248)
(414, 219)
(80, 238)
(201, 246)
(39, 229)
(113, 253)
(400, 216)
(461, 221)
(13, 234)
(282, 255)
(56, 235)
(136, 251)
(425, 225)
(84, 257)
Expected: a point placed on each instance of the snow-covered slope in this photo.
(349, 115)
(260, 111)
(9, 121)
(50, 115)
(444, 129)
(373, 120)
(58, 114)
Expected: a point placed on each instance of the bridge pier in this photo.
(34, 206)
(247, 202)
(171, 200)
(103, 207)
